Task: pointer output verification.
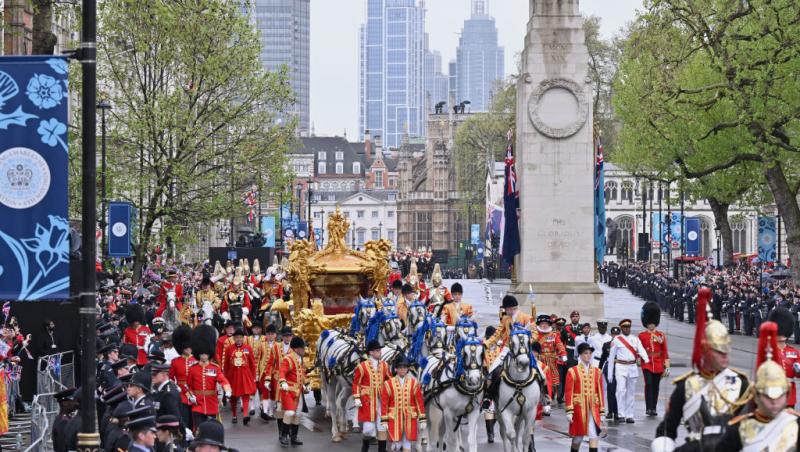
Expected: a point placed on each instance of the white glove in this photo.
(569, 417)
(192, 399)
(564, 359)
(226, 316)
(268, 386)
(796, 368)
(357, 403)
(188, 434)
(546, 410)
(284, 386)
(228, 394)
(666, 370)
(245, 311)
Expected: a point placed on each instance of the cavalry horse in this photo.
(388, 331)
(453, 386)
(519, 392)
(171, 315)
(338, 355)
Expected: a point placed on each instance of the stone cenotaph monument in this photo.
(555, 164)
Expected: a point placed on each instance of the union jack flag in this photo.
(510, 238)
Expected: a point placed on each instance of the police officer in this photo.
(166, 398)
(67, 409)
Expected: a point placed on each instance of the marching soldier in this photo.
(623, 364)
(368, 380)
(455, 309)
(791, 358)
(402, 407)
(204, 376)
(772, 426)
(137, 334)
(584, 396)
(711, 390)
(239, 366)
(655, 343)
(179, 370)
(292, 388)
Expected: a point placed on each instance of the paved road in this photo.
(551, 433)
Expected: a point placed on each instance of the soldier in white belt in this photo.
(627, 353)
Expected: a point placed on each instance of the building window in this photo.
(422, 231)
(627, 191)
(359, 214)
(360, 237)
(339, 168)
(376, 234)
(392, 197)
(321, 168)
(317, 215)
(390, 235)
(356, 167)
(317, 197)
(375, 214)
(611, 191)
(739, 230)
(339, 155)
(390, 213)
(331, 197)
(626, 231)
(379, 179)
(322, 155)
(705, 237)
(346, 214)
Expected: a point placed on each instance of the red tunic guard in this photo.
(202, 382)
(139, 338)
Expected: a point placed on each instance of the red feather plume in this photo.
(701, 317)
(768, 340)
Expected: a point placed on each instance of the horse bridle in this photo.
(518, 386)
(458, 384)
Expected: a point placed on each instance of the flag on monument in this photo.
(599, 205)
(509, 240)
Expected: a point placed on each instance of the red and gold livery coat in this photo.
(293, 374)
(584, 398)
(240, 369)
(453, 313)
(553, 353)
(506, 325)
(368, 381)
(401, 407)
(272, 368)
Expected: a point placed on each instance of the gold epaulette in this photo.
(740, 418)
(683, 377)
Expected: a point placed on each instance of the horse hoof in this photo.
(337, 439)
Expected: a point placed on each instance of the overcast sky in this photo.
(334, 47)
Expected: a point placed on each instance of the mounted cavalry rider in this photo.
(708, 396)
(772, 426)
(170, 285)
(455, 309)
(368, 381)
(511, 315)
(236, 303)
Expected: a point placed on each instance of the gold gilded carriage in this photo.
(327, 284)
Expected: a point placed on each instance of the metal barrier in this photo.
(55, 373)
(41, 420)
(11, 377)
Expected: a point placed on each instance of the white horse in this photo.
(364, 310)
(388, 331)
(171, 315)
(338, 355)
(518, 393)
(453, 393)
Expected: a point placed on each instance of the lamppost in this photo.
(104, 105)
(299, 188)
(353, 237)
(717, 232)
(380, 229)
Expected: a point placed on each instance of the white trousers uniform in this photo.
(371, 429)
(402, 444)
(626, 375)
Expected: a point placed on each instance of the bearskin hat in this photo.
(204, 339)
(651, 313)
(182, 338)
(785, 320)
(134, 313)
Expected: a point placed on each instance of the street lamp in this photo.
(353, 237)
(717, 232)
(103, 106)
(299, 188)
(380, 229)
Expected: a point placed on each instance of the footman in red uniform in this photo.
(240, 370)
(292, 388)
(583, 393)
(402, 407)
(368, 380)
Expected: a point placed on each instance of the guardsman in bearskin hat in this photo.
(179, 369)
(137, 333)
(455, 309)
(240, 370)
(204, 376)
(585, 406)
(402, 406)
(655, 342)
(771, 426)
(368, 380)
(624, 358)
(292, 384)
(791, 357)
(711, 389)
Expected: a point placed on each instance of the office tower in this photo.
(479, 58)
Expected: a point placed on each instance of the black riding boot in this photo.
(365, 445)
(490, 431)
(381, 446)
(532, 446)
(283, 434)
(294, 440)
(593, 449)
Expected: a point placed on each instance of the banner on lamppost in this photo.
(34, 231)
(767, 250)
(268, 231)
(302, 230)
(692, 236)
(119, 227)
(475, 234)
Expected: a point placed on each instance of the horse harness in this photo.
(457, 383)
(518, 386)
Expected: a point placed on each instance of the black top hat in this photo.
(271, 328)
(456, 288)
(297, 342)
(397, 284)
(509, 301)
(142, 380)
(286, 331)
(583, 346)
(209, 433)
(406, 289)
(490, 330)
(402, 361)
(239, 332)
(230, 323)
(373, 345)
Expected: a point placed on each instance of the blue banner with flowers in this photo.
(34, 231)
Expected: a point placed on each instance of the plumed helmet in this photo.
(770, 375)
(436, 276)
(785, 321)
(651, 313)
(204, 339)
(182, 338)
(509, 301)
(709, 333)
(134, 313)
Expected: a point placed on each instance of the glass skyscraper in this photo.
(479, 58)
(436, 83)
(391, 70)
(285, 30)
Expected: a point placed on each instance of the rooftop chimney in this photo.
(367, 146)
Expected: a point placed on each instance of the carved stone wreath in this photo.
(534, 104)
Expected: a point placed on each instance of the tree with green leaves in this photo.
(720, 94)
(195, 119)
